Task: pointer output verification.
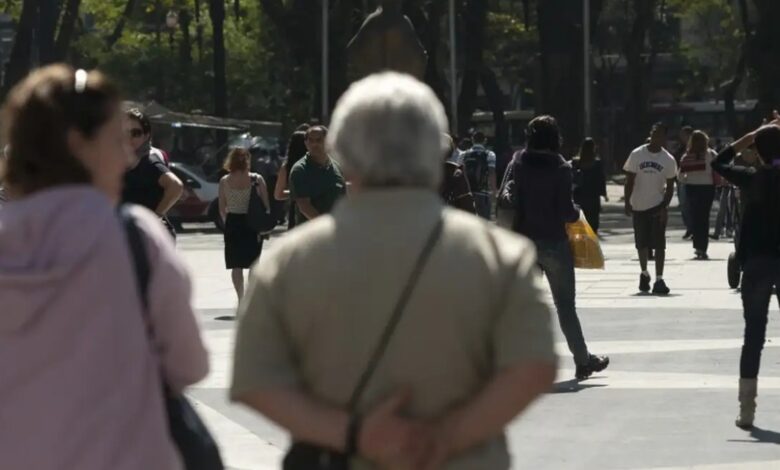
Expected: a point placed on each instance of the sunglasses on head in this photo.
(135, 133)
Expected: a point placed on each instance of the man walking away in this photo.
(649, 189)
(543, 200)
(479, 163)
(316, 182)
(758, 249)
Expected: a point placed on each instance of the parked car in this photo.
(200, 200)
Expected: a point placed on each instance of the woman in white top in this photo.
(243, 244)
(696, 175)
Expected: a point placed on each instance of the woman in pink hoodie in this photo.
(80, 379)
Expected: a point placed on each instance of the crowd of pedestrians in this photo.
(358, 333)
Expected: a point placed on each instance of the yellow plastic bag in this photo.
(585, 246)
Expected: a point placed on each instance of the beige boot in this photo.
(748, 390)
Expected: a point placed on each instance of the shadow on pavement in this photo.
(572, 386)
(761, 436)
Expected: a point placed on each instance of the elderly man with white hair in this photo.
(360, 334)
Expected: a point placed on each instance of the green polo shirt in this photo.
(323, 185)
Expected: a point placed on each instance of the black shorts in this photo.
(650, 229)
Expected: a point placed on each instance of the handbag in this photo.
(258, 216)
(304, 456)
(195, 444)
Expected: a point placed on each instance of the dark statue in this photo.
(386, 41)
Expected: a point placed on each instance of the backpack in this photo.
(475, 165)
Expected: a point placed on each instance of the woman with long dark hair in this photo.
(296, 149)
(590, 183)
(696, 174)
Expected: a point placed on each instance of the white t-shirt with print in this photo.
(652, 170)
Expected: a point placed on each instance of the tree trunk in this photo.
(430, 36)
(473, 45)
(217, 14)
(560, 89)
(635, 116)
(48, 15)
(119, 28)
(495, 99)
(762, 57)
(21, 55)
(67, 27)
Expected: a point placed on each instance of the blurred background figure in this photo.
(81, 381)
(590, 183)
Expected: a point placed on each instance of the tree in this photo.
(560, 90)
(217, 14)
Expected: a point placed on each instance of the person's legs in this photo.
(658, 244)
(708, 196)
(720, 219)
(558, 266)
(592, 209)
(683, 199)
(237, 275)
(756, 294)
(698, 214)
(642, 243)
(482, 201)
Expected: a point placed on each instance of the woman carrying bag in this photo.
(243, 243)
(83, 363)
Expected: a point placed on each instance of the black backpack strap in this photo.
(138, 255)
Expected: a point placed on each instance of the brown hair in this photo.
(36, 119)
(699, 143)
(237, 160)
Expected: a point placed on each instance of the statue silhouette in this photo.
(386, 41)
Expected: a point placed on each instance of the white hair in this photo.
(386, 131)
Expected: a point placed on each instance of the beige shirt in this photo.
(318, 302)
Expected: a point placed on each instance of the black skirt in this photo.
(242, 244)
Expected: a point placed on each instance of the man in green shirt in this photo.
(316, 182)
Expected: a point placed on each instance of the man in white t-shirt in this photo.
(649, 189)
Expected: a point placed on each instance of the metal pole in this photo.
(325, 59)
(453, 70)
(586, 59)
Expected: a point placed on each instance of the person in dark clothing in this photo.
(758, 249)
(149, 182)
(696, 174)
(543, 200)
(455, 189)
(296, 150)
(590, 183)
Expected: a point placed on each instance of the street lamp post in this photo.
(453, 70)
(586, 65)
(325, 60)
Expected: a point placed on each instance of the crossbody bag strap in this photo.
(138, 256)
(395, 318)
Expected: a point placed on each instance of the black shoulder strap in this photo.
(137, 254)
(395, 318)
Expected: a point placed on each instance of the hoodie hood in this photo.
(45, 238)
(538, 159)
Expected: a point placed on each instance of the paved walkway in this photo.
(667, 401)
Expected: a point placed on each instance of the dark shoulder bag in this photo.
(303, 456)
(188, 432)
(258, 216)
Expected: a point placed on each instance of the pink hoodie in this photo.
(79, 379)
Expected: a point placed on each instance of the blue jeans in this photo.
(557, 264)
(482, 201)
(760, 275)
